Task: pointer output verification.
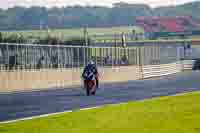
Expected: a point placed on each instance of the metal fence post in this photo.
(140, 56)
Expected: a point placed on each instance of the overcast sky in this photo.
(49, 3)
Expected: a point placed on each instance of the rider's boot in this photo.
(93, 93)
(97, 82)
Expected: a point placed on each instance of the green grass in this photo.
(177, 114)
(77, 32)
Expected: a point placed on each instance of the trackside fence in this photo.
(30, 66)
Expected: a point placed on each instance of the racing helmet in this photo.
(91, 62)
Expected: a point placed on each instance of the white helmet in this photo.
(91, 62)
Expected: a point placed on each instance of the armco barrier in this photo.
(161, 70)
(188, 64)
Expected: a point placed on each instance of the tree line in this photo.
(21, 18)
(48, 40)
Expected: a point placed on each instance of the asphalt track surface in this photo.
(27, 104)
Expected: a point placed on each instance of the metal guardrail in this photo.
(188, 64)
(161, 70)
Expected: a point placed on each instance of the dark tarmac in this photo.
(27, 104)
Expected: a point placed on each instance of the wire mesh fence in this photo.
(161, 54)
(34, 57)
(29, 56)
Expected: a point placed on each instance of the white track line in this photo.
(46, 115)
(58, 113)
(95, 107)
(35, 117)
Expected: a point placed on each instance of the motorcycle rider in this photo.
(91, 72)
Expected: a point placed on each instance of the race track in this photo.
(20, 105)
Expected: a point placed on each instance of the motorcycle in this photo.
(90, 86)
